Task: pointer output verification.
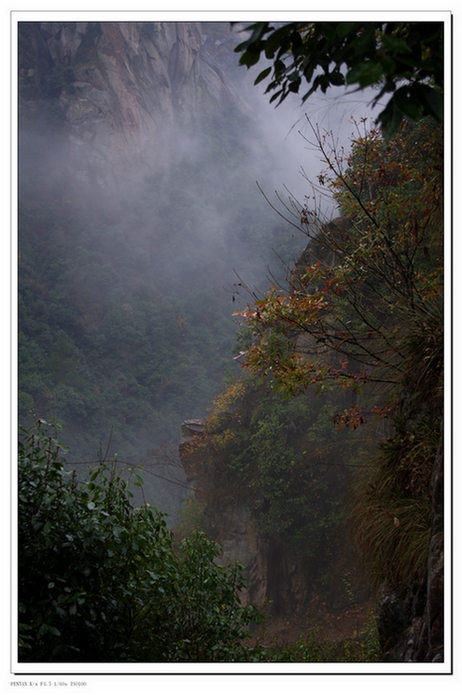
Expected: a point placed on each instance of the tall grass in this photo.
(391, 506)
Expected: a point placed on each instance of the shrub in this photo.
(100, 580)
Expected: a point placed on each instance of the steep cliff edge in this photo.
(228, 521)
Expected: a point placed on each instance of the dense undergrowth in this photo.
(284, 460)
(361, 648)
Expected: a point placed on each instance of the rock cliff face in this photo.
(117, 90)
(230, 524)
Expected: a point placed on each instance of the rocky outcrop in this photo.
(230, 524)
(118, 90)
(191, 432)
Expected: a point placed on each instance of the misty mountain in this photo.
(138, 217)
(118, 89)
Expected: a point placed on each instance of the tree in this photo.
(101, 580)
(365, 301)
(404, 59)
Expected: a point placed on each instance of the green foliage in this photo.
(97, 354)
(191, 519)
(100, 580)
(404, 59)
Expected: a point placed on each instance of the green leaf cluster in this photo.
(403, 59)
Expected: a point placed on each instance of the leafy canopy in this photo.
(404, 59)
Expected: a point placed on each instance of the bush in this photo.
(100, 580)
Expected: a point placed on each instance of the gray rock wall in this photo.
(120, 89)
